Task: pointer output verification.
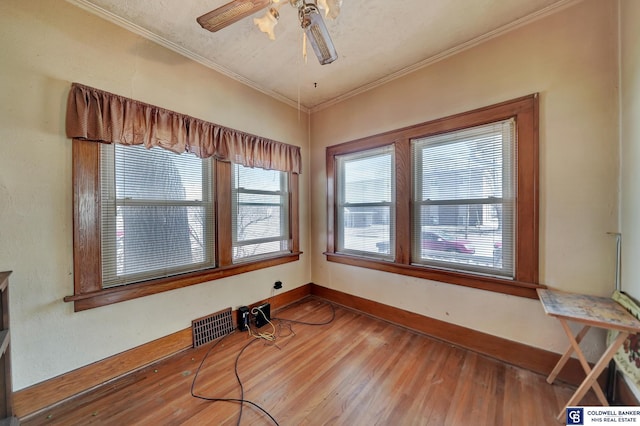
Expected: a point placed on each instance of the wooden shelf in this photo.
(6, 390)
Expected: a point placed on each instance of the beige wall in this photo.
(570, 58)
(44, 46)
(630, 137)
(630, 148)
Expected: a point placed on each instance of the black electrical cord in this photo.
(241, 400)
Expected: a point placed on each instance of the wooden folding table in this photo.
(592, 311)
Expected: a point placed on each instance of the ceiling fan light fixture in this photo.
(311, 21)
(331, 8)
(317, 33)
(267, 23)
(230, 13)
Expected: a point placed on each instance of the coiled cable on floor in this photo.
(270, 337)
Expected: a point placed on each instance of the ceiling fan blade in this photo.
(230, 13)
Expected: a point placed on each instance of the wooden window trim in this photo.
(525, 111)
(87, 268)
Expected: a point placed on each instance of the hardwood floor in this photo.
(357, 370)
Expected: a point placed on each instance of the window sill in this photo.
(514, 288)
(111, 295)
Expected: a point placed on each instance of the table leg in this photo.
(595, 372)
(567, 355)
(583, 361)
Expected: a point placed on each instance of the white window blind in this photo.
(260, 212)
(365, 202)
(157, 214)
(464, 199)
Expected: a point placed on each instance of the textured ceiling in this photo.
(376, 40)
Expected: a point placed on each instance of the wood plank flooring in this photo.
(356, 370)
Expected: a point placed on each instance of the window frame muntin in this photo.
(87, 259)
(525, 110)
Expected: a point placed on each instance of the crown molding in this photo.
(143, 32)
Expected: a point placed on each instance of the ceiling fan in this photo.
(309, 15)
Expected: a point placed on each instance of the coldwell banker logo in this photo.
(575, 416)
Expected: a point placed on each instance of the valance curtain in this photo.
(99, 116)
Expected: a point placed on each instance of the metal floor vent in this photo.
(211, 327)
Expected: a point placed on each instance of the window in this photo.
(157, 214)
(147, 221)
(177, 214)
(260, 213)
(365, 201)
(452, 200)
(463, 199)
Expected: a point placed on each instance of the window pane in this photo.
(476, 247)
(256, 221)
(258, 249)
(366, 193)
(367, 179)
(259, 212)
(259, 199)
(157, 174)
(258, 179)
(463, 169)
(156, 212)
(367, 229)
(158, 237)
(463, 186)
